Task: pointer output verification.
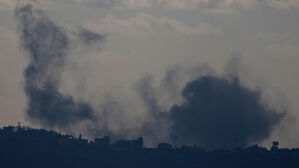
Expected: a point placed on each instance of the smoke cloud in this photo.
(48, 46)
(213, 112)
(221, 113)
(156, 127)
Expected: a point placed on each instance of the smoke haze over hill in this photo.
(193, 107)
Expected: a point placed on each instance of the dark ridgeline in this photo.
(28, 147)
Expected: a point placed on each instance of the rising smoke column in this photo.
(155, 128)
(48, 47)
(221, 113)
(217, 112)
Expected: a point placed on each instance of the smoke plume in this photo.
(214, 112)
(221, 113)
(48, 46)
(157, 123)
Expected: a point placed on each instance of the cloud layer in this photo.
(210, 6)
(145, 24)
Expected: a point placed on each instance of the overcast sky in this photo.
(258, 39)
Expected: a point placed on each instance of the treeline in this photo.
(27, 147)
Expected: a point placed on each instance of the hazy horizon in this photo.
(130, 68)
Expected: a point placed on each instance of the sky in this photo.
(143, 57)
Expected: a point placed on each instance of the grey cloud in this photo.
(108, 3)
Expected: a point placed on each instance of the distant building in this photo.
(164, 146)
(81, 140)
(274, 146)
(185, 147)
(129, 144)
(102, 141)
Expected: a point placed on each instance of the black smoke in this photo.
(48, 47)
(216, 112)
(221, 113)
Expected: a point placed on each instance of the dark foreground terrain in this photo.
(26, 147)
